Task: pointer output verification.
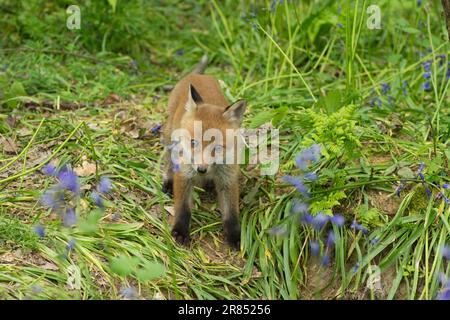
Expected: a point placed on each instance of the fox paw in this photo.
(233, 235)
(181, 235)
(168, 186)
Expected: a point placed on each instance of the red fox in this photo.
(198, 99)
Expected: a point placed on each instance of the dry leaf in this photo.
(24, 131)
(170, 210)
(49, 266)
(8, 145)
(86, 169)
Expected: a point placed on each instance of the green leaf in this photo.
(406, 173)
(124, 265)
(16, 90)
(113, 4)
(150, 271)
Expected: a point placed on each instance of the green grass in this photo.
(70, 96)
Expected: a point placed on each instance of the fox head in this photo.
(203, 132)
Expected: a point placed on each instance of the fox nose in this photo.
(202, 169)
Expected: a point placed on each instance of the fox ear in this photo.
(235, 112)
(193, 99)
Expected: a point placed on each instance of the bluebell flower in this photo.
(445, 186)
(427, 75)
(447, 75)
(297, 183)
(49, 170)
(374, 241)
(319, 221)
(356, 267)
(315, 248)
(419, 3)
(156, 128)
(331, 239)
(98, 200)
(441, 58)
(104, 185)
(385, 88)
(444, 294)
(325, 260)
(306, 219)
(355, 225)
(71, 244)
(39, 230)
(399, 188)
(340, 25)
(70, 218)
(310, 176)
(427, 66)
(308, 155)
(446, 252)
(68, 180)
(405, 88)
(300, 207)
(53, 198)
(179, 52)
(337, 220)
(422, 178)
(375, 102)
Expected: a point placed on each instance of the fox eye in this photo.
(194, 143)
(218, 148)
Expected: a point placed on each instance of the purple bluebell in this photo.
(356, 267)
(315, 248)
(39, 230)
(374, 241)
(105, 185)
(446, 252)
(422, 178)
(306, 219)
(427, 75)
(325, 260)
(297, 183)
(419, 3)
(375, 102)
(70, 218)
(71, 244)
(308, 155)
(98, 200)
(426, 86)
(405, 88)
(53, 198)
(385, 88)
(355, 225)
(445, 186)
(331, 239)
(68, 180)
(179, 52)
(156, 128)
(49, 170)
(300, 207)
(399, 188)
(427, 66)
(444, 294)
(337, 220)
(310, 176)
(319, 221)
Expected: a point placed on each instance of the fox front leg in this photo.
(182, 189)
(228, 198)
(168, 173)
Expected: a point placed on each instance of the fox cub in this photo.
(198, 102)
